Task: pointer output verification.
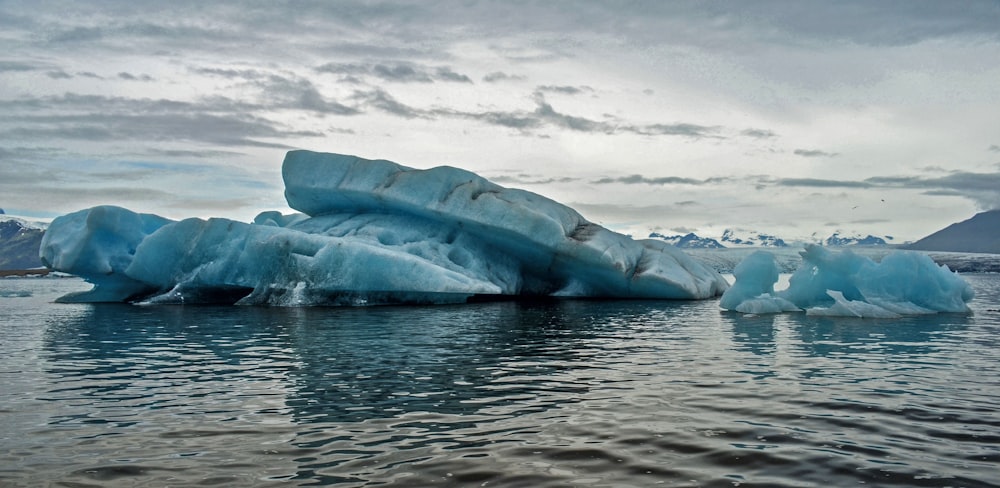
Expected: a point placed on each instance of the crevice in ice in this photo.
(583, 231)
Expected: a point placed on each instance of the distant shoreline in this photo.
(24, 272)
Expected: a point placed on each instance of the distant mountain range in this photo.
(733, 237)
(689, 241)
(741, 238)
(980, 234)
(20, 239)
(19, 243)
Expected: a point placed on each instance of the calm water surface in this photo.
(567, 393)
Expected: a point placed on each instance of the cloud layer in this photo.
(747, 112)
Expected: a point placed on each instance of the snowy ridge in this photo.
(688, 241)
(19, 241)
(24, 222)
(742, 238)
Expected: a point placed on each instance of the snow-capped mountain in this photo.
(739, 237)
(688, 241)
(837, 240)
(19, 243)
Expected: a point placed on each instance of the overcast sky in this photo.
(790, 117)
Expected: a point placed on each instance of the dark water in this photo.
(568, 393)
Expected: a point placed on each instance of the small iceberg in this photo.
(844, 284)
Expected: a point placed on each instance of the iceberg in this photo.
(845, 284)
(370, 232)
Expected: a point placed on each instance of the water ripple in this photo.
(565, 393)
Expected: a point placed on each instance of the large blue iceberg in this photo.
(848, 285)
(370, 232)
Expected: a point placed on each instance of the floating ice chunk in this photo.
(846, 284)
(753, 291)
(98, 244)
(766, 304)
(843, 307)
(371, 232)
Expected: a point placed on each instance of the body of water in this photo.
(555, 393)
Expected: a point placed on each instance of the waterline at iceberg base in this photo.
(370, 232)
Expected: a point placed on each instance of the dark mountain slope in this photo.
(981, 233)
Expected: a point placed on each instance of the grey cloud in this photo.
(545, 115)
(627, 213)
(545, 112)
(965, 182)
(689, 130)
(934, 169)
(399, 72)
(758, 133)
(76, 35)
(130, 77)
(814, 153)
(894, 180)
(59, 75)
(79, 102)
(224, 130)
(498, 76)
(67, 197)
(402, 72)
(398, 25)
(381, 100)
(525, 179)
(662, 180)
(377, 51)
(15, 66)
(446, 74)
(994, 148)
(821, 183)
(981, 188)
(870, 221)
(281, 91)
(213, 120)
(216, 205)
(565, 90)
(191, 154)
(300, 93)
(230, 73)
(523, 122)
(683, 230)
(143, 30)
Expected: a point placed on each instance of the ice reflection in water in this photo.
(509, 394)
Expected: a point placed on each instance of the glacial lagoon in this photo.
(517, 393)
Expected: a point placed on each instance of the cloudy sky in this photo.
(792, 117)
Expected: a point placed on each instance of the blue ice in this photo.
(370, 232)
(843, 283)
